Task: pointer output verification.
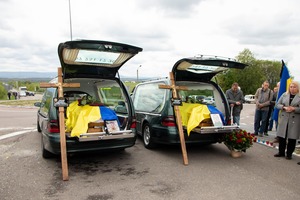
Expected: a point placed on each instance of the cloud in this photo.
(167, 30)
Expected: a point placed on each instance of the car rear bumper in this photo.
(170, 135)
(52, 144)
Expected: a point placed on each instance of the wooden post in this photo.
(173, 87)
(63, 148)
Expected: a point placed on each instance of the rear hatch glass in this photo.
(91, 58)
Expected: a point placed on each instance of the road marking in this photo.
(8, 128)
(2, 137)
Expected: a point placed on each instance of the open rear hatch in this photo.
(203, 69)
(96, 59)
(93, 58)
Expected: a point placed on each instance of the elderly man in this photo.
(263, 97)
(235, 98)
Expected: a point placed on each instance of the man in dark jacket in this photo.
(235, 99)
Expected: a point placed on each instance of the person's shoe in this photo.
(266, 134)
(298, 163)
(275, 140)
(288, 157)
(269, 129)
(256, 134)
(278, 155)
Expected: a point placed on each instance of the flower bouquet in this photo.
(238, 140)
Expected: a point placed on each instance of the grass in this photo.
(18, 102)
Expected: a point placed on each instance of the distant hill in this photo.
(26, 75)
(37, 76)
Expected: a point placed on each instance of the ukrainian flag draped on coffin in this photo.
(285, 81)
(78, 117)
(193, 114)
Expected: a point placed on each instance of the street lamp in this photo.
(137, 73)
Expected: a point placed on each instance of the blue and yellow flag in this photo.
(285, 81)
(193, 114)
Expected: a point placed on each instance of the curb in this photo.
(270, 144)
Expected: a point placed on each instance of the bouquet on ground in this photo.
(238, 140)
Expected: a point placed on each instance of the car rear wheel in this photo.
(45, 153)
(147, 140)
(38, 127)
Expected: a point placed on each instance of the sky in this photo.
(167, 30)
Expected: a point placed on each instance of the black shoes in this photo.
(288, 157)
(266, 134)
(278, 155)
(282, 155)
(298, 163)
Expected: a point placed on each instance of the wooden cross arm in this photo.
(52, 85)
(161, 86)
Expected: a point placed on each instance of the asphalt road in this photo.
(138, 173)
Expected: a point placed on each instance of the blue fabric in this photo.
(284, 79)
(214, 110)
(108, 114)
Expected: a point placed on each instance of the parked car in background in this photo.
(22, 91)
(209, 100)
(30, 93)
(155, 118)
(93, 64)
(249, 98)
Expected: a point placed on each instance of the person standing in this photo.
(263, 97)
(288, 125)
(9, 95)
(271, 111)
(235, 98)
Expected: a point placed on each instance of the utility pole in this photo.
(70, 16)
(137, 73)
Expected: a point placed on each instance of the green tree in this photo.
(3, 92)
(252, 77)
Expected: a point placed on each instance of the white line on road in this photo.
(8, 128)
(2, 137)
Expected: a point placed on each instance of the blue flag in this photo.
(285, 80)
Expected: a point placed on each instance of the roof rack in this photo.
(207, 57)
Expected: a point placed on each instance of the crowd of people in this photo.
(287, 124)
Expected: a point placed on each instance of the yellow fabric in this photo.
(80, 116)
(193, 114)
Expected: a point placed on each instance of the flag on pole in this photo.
(285, 80)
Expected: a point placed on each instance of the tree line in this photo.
(249, 79)
(252, 77)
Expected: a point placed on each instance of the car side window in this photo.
(46, 101)
(149, 98)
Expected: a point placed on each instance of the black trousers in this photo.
(290, 147)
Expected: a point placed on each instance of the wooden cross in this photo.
(173, 87)
(63, 148)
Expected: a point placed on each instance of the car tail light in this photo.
(53, 126)
(168, 121)
(133, 124)
(229, 122)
